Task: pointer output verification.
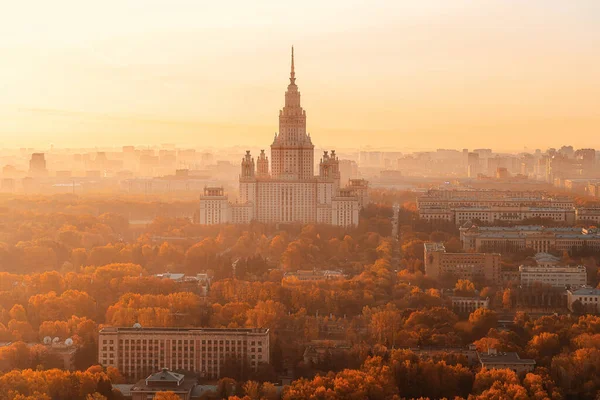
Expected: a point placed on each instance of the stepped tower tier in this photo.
(292, 151)
(247, 166)
(262, 165)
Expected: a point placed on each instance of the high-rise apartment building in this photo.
(290, 192)
(136, 352)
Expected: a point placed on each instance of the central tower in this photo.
(292, 151)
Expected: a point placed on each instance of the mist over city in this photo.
(300, 200)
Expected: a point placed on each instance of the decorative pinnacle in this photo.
(293, 73)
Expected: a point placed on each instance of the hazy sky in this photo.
(395, 73)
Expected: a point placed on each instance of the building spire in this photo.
(293, 73)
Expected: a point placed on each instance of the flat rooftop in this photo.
(434, 246)
(111, 329)
(586, 292)
(504, 358)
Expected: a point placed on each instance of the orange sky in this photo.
(395, 74)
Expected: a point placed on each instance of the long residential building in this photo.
(491, 214)
(493, 359)
(137, 352)
(489, 206)
(519, 237)
(471, 266)
(491, 198)
(558, 277)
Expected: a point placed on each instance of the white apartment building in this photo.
(290, 192)
(558, 277)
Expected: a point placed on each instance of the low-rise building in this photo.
(493, 359)
(313, 275)
(488, 206)
(471, 266)
(589, 298)
(319, 350)
(427, 353)
(589, 214)
(520, 237)
(63, 351)
(468, 304)
(163, 381)
(558, 277)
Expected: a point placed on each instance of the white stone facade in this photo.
(290, 192)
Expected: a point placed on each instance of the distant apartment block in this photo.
(136, 352)
(520, 237)
(493, 359)
(471, 266)
(555, 276)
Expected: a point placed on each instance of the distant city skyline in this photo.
(406, 75)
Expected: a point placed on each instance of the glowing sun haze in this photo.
(403, 74)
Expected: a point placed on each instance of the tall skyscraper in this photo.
(290, 192)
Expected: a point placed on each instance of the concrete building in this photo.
(558, 277)
(137, 351)
(214, 207)
(493, 359)
(290, 192)
(163, 381)
(520, 237)
(512, 214)
(313, 275)
(489, 206)
(468, 304)
(588, 214)
(471, 266)
(457, 198)
(589, 298)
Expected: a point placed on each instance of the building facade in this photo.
(493, 359)
(520, 237)
(163, 381)
(468, 304)
(489, 206)
(137, 352)
(471, 266)
(285, 189)
(557, 277)
(589, 298)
